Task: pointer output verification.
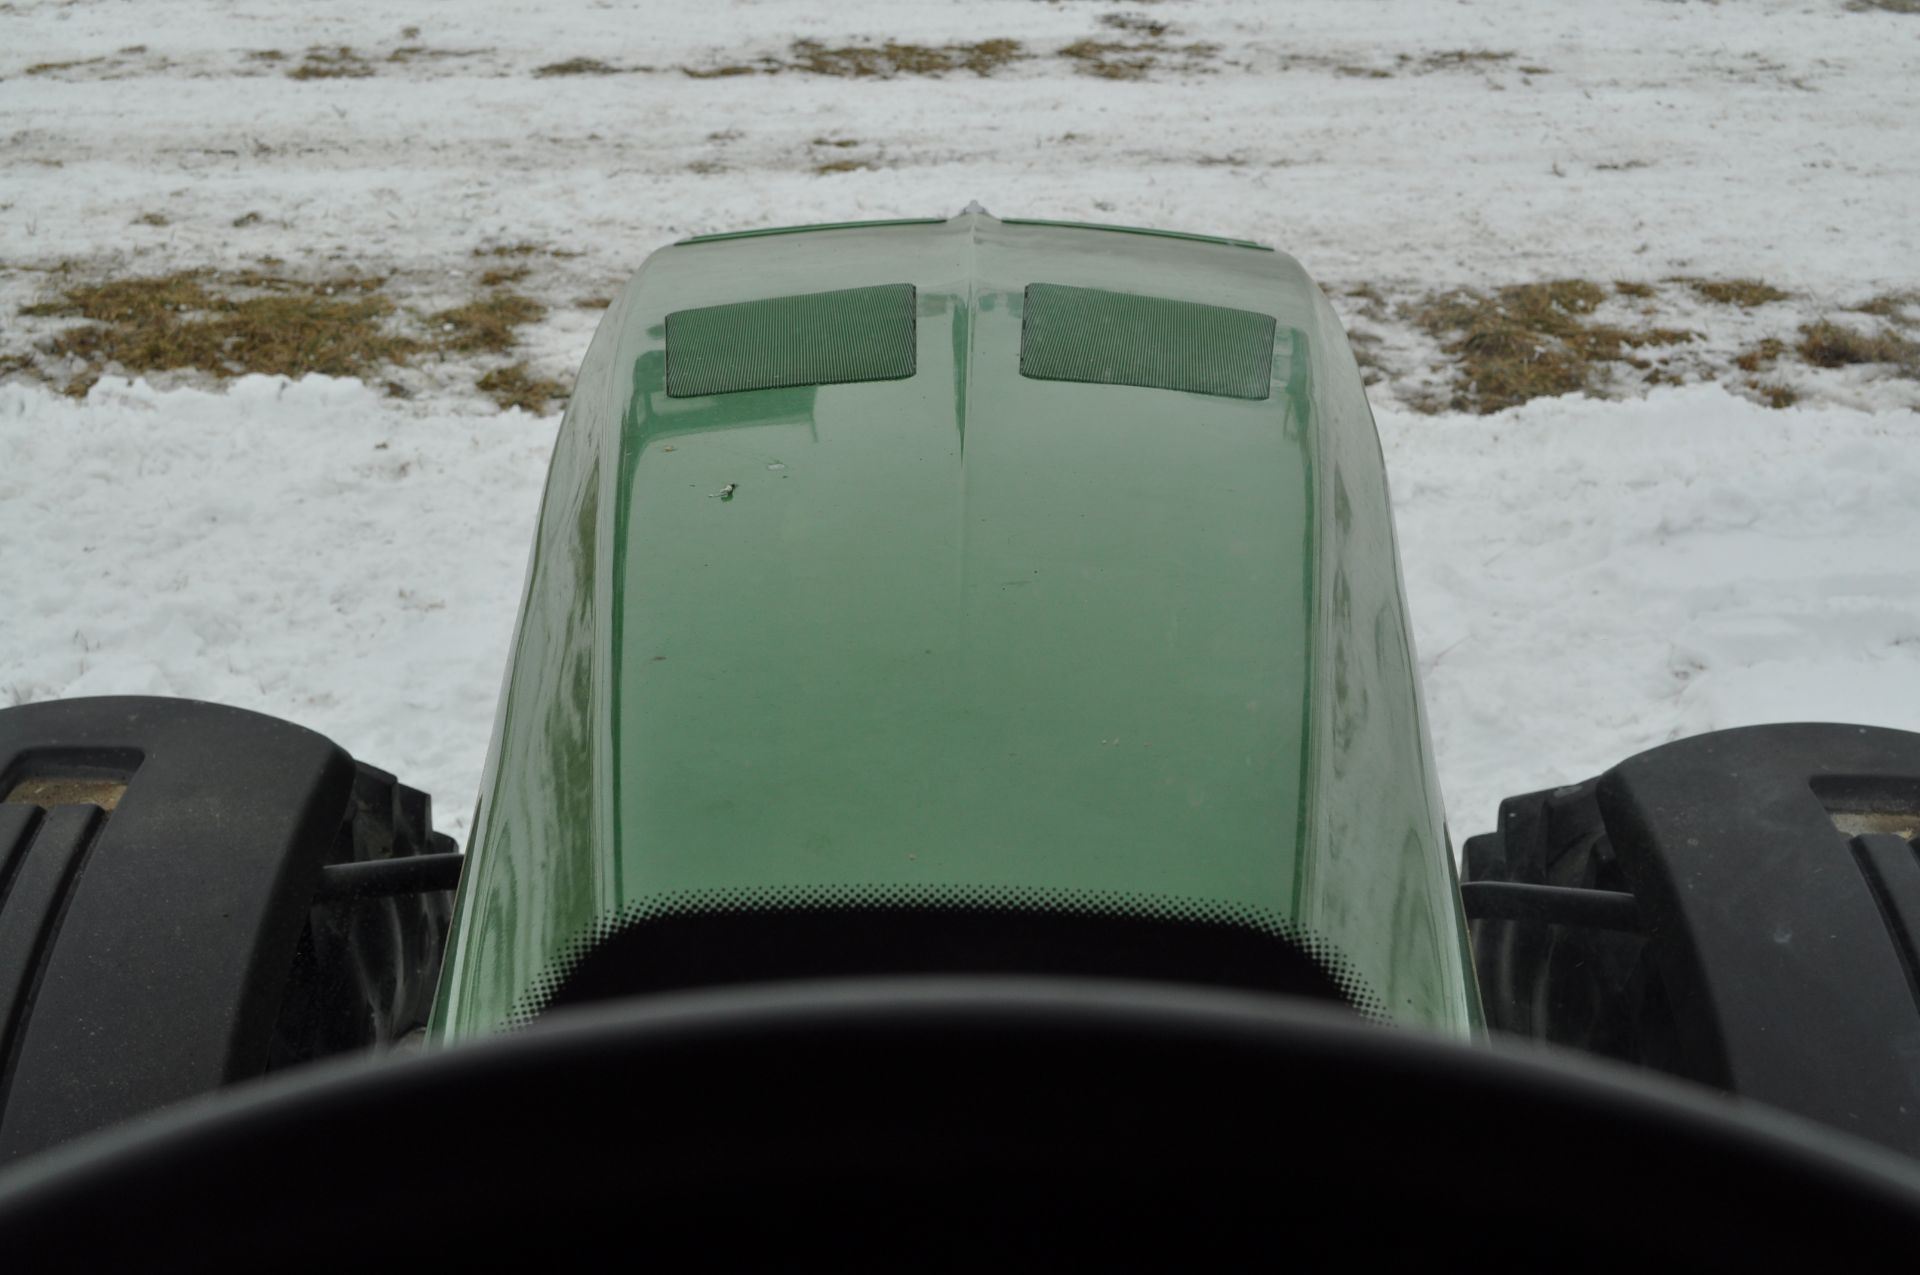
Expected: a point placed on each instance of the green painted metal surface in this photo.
(1138, 230)
(964, 631)
(763, 231)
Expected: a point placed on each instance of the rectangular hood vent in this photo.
(1118, 338)
(819, 338)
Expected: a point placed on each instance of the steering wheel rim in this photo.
(948, 1123)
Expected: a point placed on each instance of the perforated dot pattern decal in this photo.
(857, 900)
(1117, 338)
(822, 338)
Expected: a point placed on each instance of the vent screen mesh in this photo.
(1117, 338)
(820, 338)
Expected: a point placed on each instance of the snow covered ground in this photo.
(1588, 576)
(1588, 579)
(307, 549)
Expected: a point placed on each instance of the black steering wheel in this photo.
(958, 1124)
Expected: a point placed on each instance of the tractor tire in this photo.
(166, 923)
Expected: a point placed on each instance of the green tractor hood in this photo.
(902, 575)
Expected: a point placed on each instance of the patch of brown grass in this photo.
(337, 63)
(1829, 344)
(486, 323)
(1759, 356)
(1744, 293)
(1885, 6)
(407, 53)
(178, 321)
(300, 333)
(151, 219)
(843, 164)
(515, 386)
(1531, 340)
(578, 66)
(228, 324)
(1118, 60)
(48, 68)
(1465, 59)
(1366, 353)
(873, 61)
(592, 303)
(504, 274)
(1135, 24)
(362, 283)
(1111, 60)
(126, 300)
(1373, 304)
(1776, 395)
(1890, 305)
(885, 61)
(523, 248)
(1628, 288)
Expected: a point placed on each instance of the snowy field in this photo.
(1589, 574)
